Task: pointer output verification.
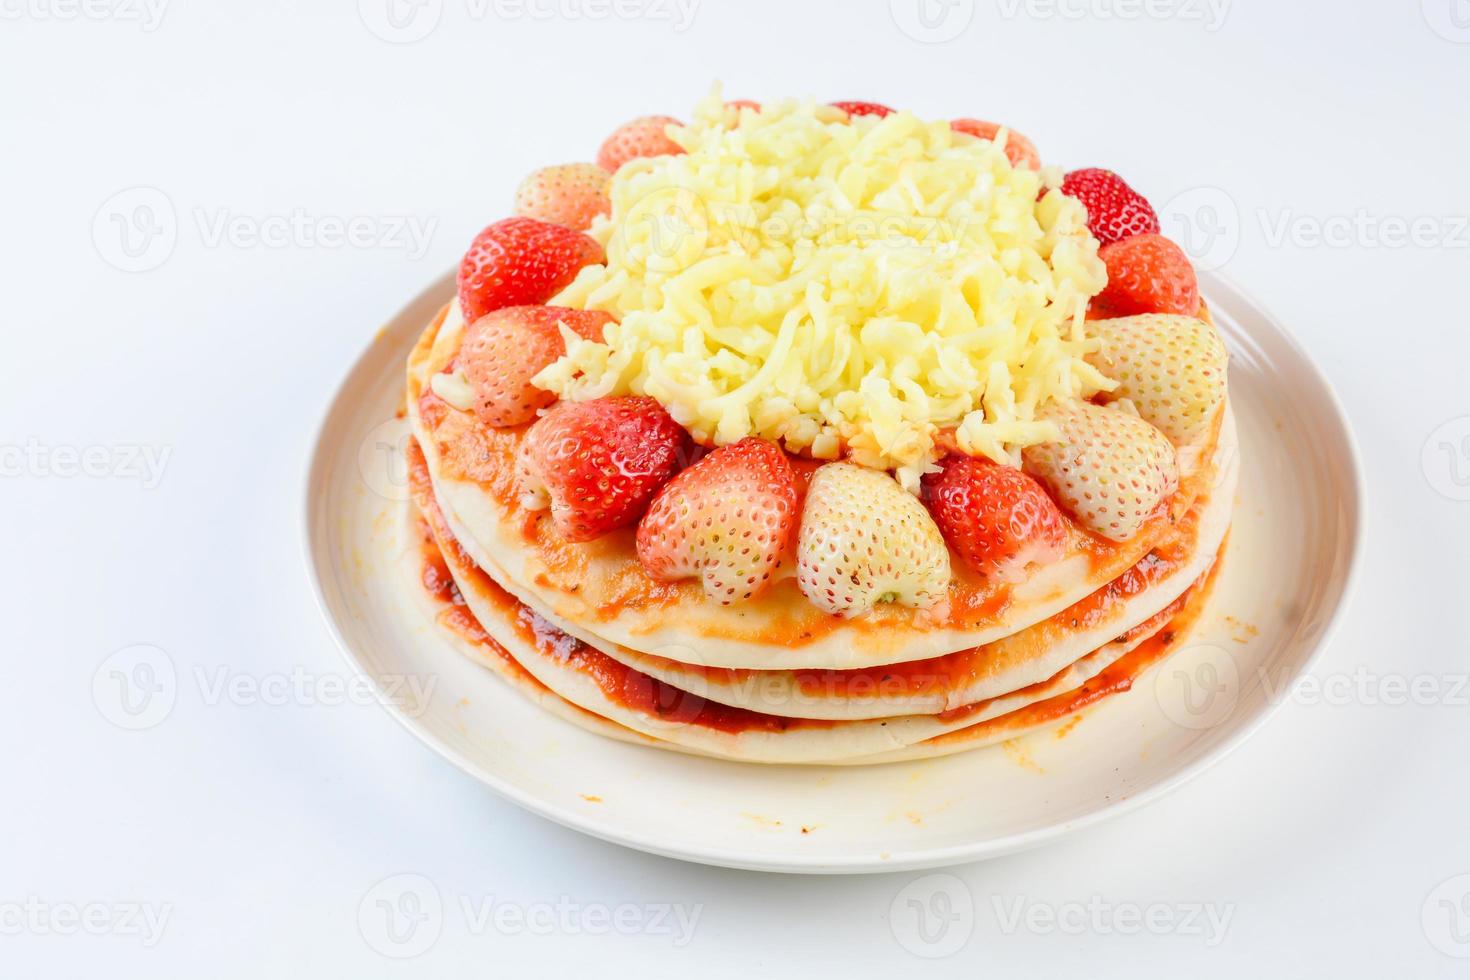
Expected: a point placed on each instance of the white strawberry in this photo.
(1110, 470)
(728, 519)
(864, 540)
(571, 195)
(1171, 367)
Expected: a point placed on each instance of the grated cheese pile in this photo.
(846, 288)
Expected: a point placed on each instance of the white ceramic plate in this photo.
(1289, 567)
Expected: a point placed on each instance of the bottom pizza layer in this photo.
(590, 689)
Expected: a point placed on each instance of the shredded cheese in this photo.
(849, 288)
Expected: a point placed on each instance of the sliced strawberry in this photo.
(863, 108)
(645, 136)
(1019, 150)
(502, 351)
(1172, 368)
(1110, 469)
(728, 519)
(570, 195)
(519, 262)
(1115, 211)
(865, 540)
(597, 464)
(1148, 274)
(996, 518)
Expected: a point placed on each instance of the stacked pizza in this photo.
(819, 434)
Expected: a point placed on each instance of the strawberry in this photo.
(570, 195)
(996, 518)
(1148, 274)
(864, 540)
(598, 463)
(729, 518)
(1171, 367)
(645, 136)
(502, 351)
(863, 108)
(1019, 150)
(1110, 469)
(1115, 211)
(520, 261)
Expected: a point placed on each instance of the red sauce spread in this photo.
(1117, 678)
(620, 683)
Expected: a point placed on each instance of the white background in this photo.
(260, 830)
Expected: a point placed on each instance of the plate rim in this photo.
(1212, 281)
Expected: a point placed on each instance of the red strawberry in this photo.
(519, 262)
(502, 351)
(996, 518)
(1148, 274)
(863, 108)
(643, 137)
(571, 195)
(1019, 150)
(729, 518)
(1115, 211)
(598, 463)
